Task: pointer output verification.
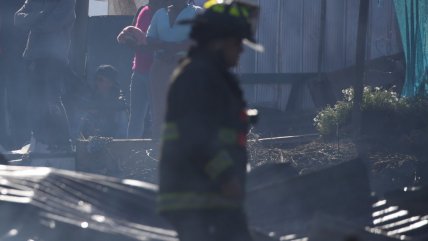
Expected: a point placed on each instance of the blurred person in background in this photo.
(171, 42)
(3, 137)
(14, 130)
(135, 37)
(105, 109)
(50, 24)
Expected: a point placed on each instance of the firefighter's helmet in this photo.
(221, 20)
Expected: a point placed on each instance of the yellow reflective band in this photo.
(192, 201)
(235, 11)
(228, 136)
(245, 12)
(221, 162)
(218, 8)
(170, 132)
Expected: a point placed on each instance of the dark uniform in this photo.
(204, 141)
(203, 157)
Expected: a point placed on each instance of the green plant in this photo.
(384, 112)
(330, 118)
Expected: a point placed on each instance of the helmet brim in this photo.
(253, 45)
(249, 42)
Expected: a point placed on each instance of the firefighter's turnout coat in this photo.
(204, 140)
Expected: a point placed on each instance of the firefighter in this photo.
(203, 157)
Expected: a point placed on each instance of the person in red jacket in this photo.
(134, 36)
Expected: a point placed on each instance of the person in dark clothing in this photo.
(50, 23)
(2, 91)
(203, 157)
(14, 130)
(106, 108)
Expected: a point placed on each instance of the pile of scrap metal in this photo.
(43, 204)
(336, 203)
(333, 204)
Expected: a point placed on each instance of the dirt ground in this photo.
(389, 169)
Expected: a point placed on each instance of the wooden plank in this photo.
(272, 78)
(290, 138)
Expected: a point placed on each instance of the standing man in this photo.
(170, 41)
(13, 78)
(50, 23)
(143, 59)
(204, 157)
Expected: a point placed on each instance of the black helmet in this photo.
(223, 21)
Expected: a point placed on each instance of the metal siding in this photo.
(247, 63)
(307, 102)
(249, 94)
(396, 45)
(379, 29)
(335, 48)
(351, 31)
(292, 38)
(285, 94)
(311, 35)
(289, 30)
(268, 34)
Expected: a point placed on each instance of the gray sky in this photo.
(97, 8)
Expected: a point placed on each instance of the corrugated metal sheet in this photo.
(311, 35)
(292, 37)
(290, 32)
(267, 96)
(335, 45)
(351, 13)
(382, 37)
(268, 36)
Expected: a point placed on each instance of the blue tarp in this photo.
(412, 17)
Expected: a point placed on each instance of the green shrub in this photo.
(328, 120)
(383, 113)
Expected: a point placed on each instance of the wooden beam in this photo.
(271, 78)
(360, 62)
